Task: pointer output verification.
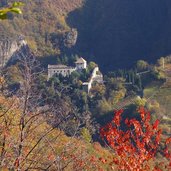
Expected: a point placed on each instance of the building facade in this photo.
(64, 70)
(96, 76)
(59, 69)
(81, 64)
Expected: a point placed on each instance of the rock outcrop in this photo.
(70, 38)
(10, 49)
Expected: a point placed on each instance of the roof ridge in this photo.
(80, 60)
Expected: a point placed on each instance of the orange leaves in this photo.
(157, 169)
(168, 141)
(102, 160)
(2, 80)
(6, 133)
(170, 164)
(51, 157)
(167, 153)
(155, 125)
(142, 113)
(16, 163)
(93, 159)
(137, 126)
(137, 143)
(117, 117)
(158, 136)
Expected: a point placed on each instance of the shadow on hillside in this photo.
(117, 33)
(81, 19)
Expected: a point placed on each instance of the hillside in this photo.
(122, 32)
(59, 111)
(119, 31)
(35, 21)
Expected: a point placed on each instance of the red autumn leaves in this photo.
(134, 141)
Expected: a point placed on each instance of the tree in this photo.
(14, 8)
(140, 101)
(158, 74)
(103, 107)
(28, 138)
(98, 91)
(136, 142)
(141, 65)
(36, 145)
(91, 66)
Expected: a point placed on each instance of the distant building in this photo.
(81, 64)
(96, 76)
(59, 69)
(66, 70)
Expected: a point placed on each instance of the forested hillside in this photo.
(59, 111)
(121, 32)
(117, 33)
(34, 24)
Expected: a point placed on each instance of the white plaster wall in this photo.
(64, 72)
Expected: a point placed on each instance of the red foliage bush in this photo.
(136, 144)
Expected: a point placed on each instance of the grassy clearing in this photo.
(150, 91)
(163, 96)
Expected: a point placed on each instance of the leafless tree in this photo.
(29, 117)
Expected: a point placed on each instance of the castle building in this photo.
(66, 70)
(81, 64)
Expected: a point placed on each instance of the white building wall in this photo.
(94, 73)
(94, 77)
(63, 71)
(85, 65)
(81, 66)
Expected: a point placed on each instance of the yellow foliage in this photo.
(140, 101)
(2, 81)
(27, 141)
(62, 21)
(32, 44)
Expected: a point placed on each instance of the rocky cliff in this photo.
(10, 49)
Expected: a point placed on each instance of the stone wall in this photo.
(95, 76)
